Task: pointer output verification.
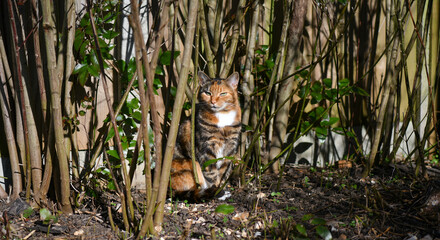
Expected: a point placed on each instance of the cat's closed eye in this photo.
(223, 94)
(207, 93)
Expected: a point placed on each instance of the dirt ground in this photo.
(307, 203)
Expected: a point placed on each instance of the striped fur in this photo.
(217, 135)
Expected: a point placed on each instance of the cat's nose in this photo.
(213, 100)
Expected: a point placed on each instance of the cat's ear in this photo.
(233, 80)
(203, 78)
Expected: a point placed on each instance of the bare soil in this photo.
(307, 203)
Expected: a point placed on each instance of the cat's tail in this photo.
(182, 179)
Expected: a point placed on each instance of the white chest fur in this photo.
(226, 119)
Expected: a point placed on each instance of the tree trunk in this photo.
(177, 111)
(55, 87)
(296, 28)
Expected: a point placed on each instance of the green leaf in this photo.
(329, 122)
(165, 58)
(331, 94)
(111, 185)
(247, 128)
(45, 214)
(28, 212)
(93, 70)
(159, 70)
(137, 115)
(187, 106)
(124, 145)
(317, 113)
(110, 135)
(82, 78)
(225, 209)
(119, 118)
(269, 63)
(321, 133)
(304, 73)
(259, 51)
(209, 162)
(343, 83)
(339, 130)
(323, 232)
(316, 87)
(360, 91)
(157, 83)
(82, 112)
(304, 126)
(316, 97)
(133, 103)
(301, 229)
(113, 153)
(307, 217)
(173, 91)
(318, 221)
(110, 34)
(327, 82)
(303, 91)
(81, 67)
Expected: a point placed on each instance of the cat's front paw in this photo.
(224, 196)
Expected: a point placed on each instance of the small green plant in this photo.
(275, 194)
(225, 209)
(48, 218)
(306, 181)
(28, 212)
(287, 228)
(291, 208)
(435, 160)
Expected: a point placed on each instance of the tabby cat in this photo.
(217, 135)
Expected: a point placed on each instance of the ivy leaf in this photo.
(225, 209)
